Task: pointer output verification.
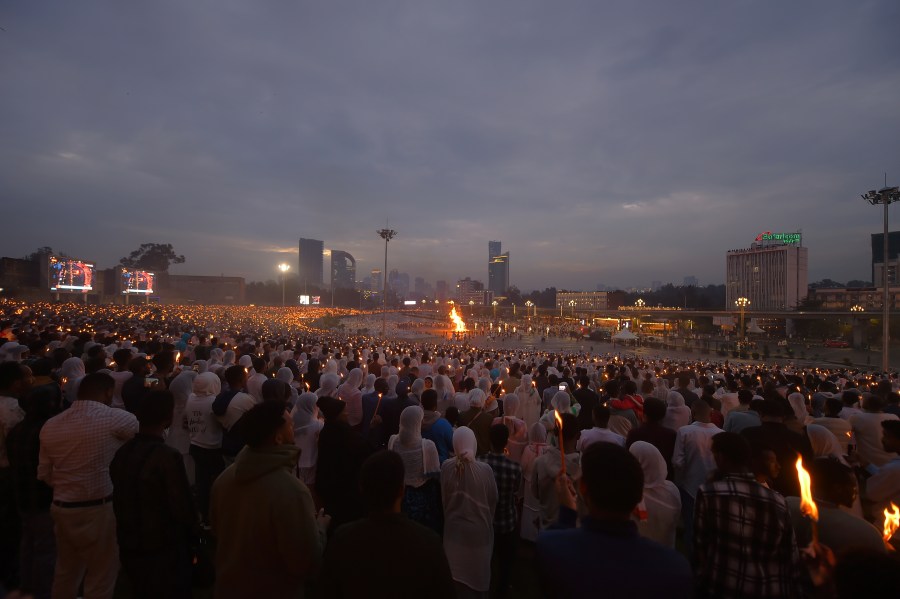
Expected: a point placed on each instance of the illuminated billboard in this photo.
(306, 300)
(410, 302)
(70, 275)
(316, 300)
(137, 282)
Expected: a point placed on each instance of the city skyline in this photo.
(614, 144)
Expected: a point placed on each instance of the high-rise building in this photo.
(310, 271)
(441, 291)
(691, 281)
(343, 270)
(771, 273)
(498, 269)
(893, 261)
(377, 280)
(469, 290)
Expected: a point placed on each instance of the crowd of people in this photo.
(164, 449)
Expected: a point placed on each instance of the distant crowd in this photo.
(160, 452)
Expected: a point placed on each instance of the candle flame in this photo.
(559, 422)
(457, 321)
(891, 521)
(807, 505)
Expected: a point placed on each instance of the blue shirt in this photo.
(441, 433)
(607, 558)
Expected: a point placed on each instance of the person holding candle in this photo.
(549, 465)
(605, 556)
(883, 487)
(744, 543)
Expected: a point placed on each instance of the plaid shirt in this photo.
(508, 475)
(744, 544)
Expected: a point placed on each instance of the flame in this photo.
(807, 505)
(891, 521)
(559, 422)
(457, 321)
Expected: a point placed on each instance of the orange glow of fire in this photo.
(891, 521)
(807, 505)
(457, 321)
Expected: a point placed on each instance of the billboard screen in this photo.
(137, 281)
(304, 300)
(70, 275)
(316, 300)
(410, 302)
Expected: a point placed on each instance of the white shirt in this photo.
(729, 402)
(10, 415)
(77, 447)
(884, 485)
(867, 431)
(204, 429)
(254, 386)
(693, 459)
(593, 435)
(240, 403)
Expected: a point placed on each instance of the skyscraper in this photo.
(498, 269)
(310, 271)
(343, 270)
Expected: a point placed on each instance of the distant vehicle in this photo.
(836, 343)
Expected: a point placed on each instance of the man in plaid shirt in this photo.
(508, 475)
(744, 543)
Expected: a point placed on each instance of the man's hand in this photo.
(565, 492)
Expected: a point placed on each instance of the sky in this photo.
(613, 143)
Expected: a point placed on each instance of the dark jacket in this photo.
(787, 445)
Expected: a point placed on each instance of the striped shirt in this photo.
(77, 447)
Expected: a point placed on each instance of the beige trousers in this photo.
(86, 549)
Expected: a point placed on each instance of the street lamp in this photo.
(387, 235)
(742, 303)
(857, 308)
(572, 304)
(886, 195)
(528, 305)
(494, 304)
(283, 268)
(471, 307)
(639, 303)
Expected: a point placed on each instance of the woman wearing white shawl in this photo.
(677, 414)
(531, 506)
(421, 464)
(824, 443)
(561, 403)
(181, 388)
(306, 436)
(659, 511)
(392, 381)
(529, 401)
(444, 389)
(70, 374)
(469, 494)
(328, 384)
(518, 431)
(662, 388)
(228, 358)
(204, 435)
(798, 405)
(286, 375)
(415, 391)
(350, 394)
(370, 384)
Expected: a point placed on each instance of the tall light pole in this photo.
(528, 305)
(572, 303)
(494, 304)
(886, 195)
(283, 268)
(742, 303)
(387, 235)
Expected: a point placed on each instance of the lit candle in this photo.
(807, 506)
(562, 447)
(891, 522)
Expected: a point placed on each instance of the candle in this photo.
(562, 445)
(807, 505)
(891, 522)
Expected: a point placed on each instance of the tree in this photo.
(857, 283)
(154, 257)
(42, 252)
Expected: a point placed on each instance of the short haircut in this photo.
(122, 357)
(164, 360)
(429, 399)
(770, 408)
(499, 436)
(235, 376)
(156, 408)
(833, 405)
(94, 385)
(138, 366)
(570, 427)
(259, 364)
(381, 480)
(733, 446)
(654, 409)
(381, 386)
(613, 477)
(262, 421)
(601, 414)
(10, 373)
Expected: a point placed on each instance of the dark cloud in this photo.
(614, 142)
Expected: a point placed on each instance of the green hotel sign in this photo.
(786, 238)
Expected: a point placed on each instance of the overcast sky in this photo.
(601, 142)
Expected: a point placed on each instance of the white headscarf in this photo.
(798, 405)
(465, 446)
(677, 414)
(411, 426)
(561, 402)
(305, 411)
(370, 384)
(476, 398)
(206, 384)
(824, 443)
(510, 405)
(328, 384)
